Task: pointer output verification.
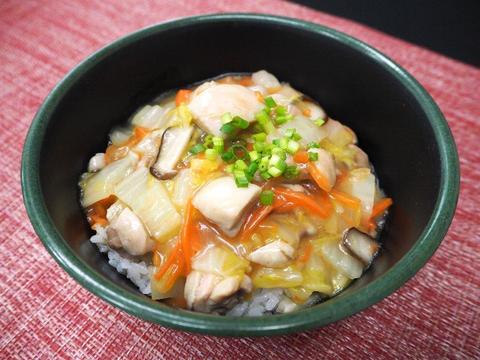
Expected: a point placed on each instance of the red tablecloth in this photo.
(45, 314)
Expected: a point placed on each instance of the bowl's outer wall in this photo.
(350, 85)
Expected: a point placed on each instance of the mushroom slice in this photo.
(223, 203)
(174, 144)
(361, 245)
(275, 254)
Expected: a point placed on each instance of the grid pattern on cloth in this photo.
(45, 314)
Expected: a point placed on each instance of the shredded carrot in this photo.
(380, 207)
(348, 200)
(307, 112)
(301, 157)
(259, 96)
(189, 232)
(318, 177)
(175, 272)
(245, 81)
(306, 253)
(273, 90)
(302, 200)
(254, 220)
(140, 133)
(182, 96)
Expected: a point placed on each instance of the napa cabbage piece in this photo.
(179, 116)
(343, 154)
(149, 200)
(361, 183)
(339, 259)
(183, 187)
(158, 285)
(220, 261)
(316, 275)
(151, 117)
(268, 278)
(204, 170)
(120, 135)
(101, 184)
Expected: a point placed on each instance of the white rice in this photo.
(262, 301)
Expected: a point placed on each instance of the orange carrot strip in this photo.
(187, 235)
(346, 199)
(182, 96)
(245, 81)
(259, 96)
(380, 207)
(307, 112)
(307, 253)
(301, 157)
(140, 132)
(176, 252)
(318, 177)
(302, 200)
(254, 220)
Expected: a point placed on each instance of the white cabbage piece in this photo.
(149, 200)
(183, 187)
(101, 185)
(220, 261)
(119, 136)
(151, 117)
(341, 260)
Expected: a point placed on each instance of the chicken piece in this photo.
(223, 203)
(210, 101)
(97, 162)
(265, 79)
(326, 166)
(127, 231)
(205, 291)
(315, 111)
(339, 134)
(174, 144)
(275, 254)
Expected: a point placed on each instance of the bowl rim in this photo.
(333, 310)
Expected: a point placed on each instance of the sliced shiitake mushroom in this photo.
(360, 245)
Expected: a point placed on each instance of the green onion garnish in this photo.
(253, 155)
(313, 145)
(259, 146)
(240, 123)
(264, 120)
(260, 137)
(319, 122)
(263, 166)
(240, 178)
(240, 165)
(265, 175)
(292, 146)
(283, 143)
(207, 141)
(281, 110)
(291, 172)
(197, 149)
(280, 152)
(279, 120)
(252, 168)
(312, 156)
(229, 168)
(266, 197)
(270, 102)
(218, 144)
(228, 156)
(228, 128)
(239, 151)
(274, 171)
(211, 154)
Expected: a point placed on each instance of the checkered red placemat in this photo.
(45, 314)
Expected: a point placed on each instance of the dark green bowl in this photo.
(397, 122)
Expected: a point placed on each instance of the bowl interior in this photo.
(389, 120)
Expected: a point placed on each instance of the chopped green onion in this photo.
(197, 149)
(265, 175)
(313, 145)
(312, 156)
(253, 155)
(276, 142)
(228, 128)
(292, 146)
(281, 110)
(279, 120)
(218, 144)
(240, 165)
(239, 151)
(260, 137)
(274, 160)
(319, 122)
(283, 143)
(228, 156)
(263, 166)
(289, 133)
(229, 168)
(240, 123)
(211, 154)
(266, 197)
(296, 137)
(252, 168)
(226, 118)
(270, 102)
(291, 172)
(280, 152)
(240, 178)
(274, 171)
(259, 146)
(264, 120)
